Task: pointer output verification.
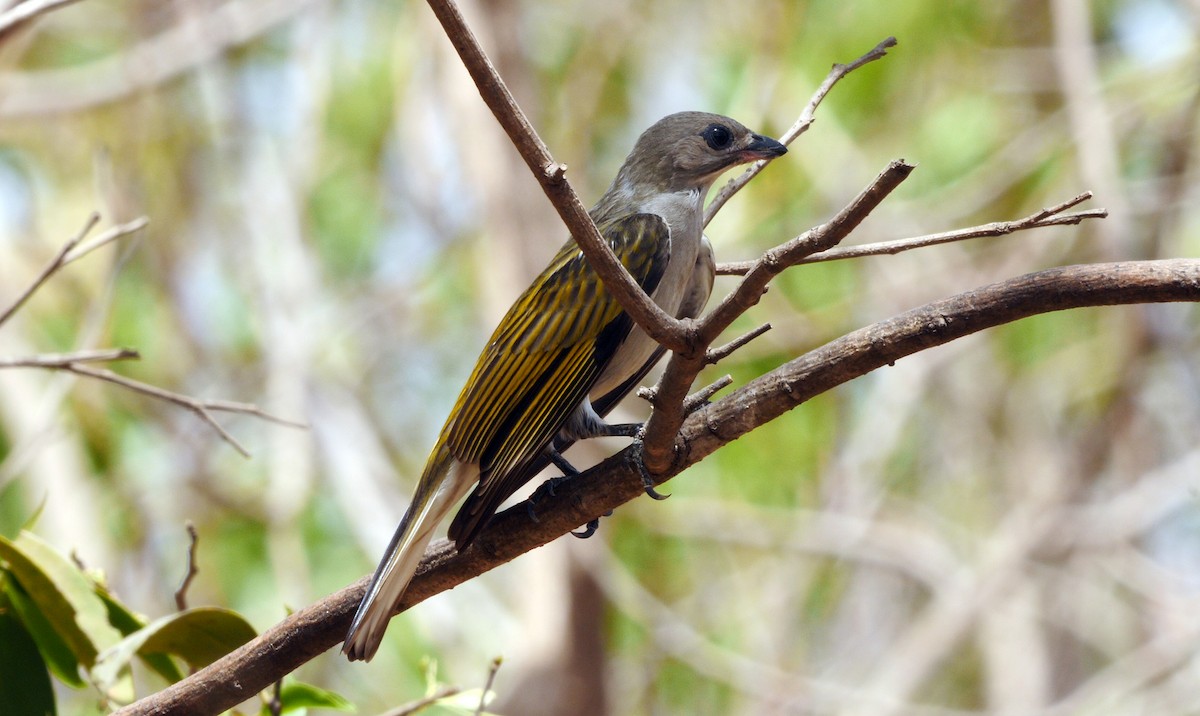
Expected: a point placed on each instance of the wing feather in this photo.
(545, 356)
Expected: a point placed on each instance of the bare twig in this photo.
(701, 397)
(181, 592)
(202, 408)
(487, 686)
(420, 704)
(1051, 216)
(72, 251)
(25, 11)
(800, 126)
(110, 235)
(76, 362)
(62, 360)
(716, 355)
(48, 270)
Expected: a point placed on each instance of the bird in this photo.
(566, 353)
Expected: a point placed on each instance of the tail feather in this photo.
(443, 482)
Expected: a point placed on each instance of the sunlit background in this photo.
(1006, 525)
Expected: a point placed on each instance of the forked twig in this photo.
(800, 126)
(77, 361)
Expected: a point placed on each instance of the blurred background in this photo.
(1005, 525)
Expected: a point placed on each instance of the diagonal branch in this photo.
(72, 251)
(552, 177)
(314, 629)
(25, 11)
(800, 126)
(76, 361)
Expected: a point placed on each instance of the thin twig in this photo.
(800, 126)
(62, 360)
(700, 398)
(1045, 217)
(28, 10)
(413, 707)
(716, 355)
(107, 237)
(487, 686)
(48, 270)
(202, 408)
(192, 571)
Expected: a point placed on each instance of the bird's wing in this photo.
(543, 359)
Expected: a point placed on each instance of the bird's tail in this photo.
(435, 496)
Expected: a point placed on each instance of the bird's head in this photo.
(689, 150)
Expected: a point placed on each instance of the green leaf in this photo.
(200, 636)
(62, 593)
(297, 696)
(24, 680)
(56, 653)
(129, 622)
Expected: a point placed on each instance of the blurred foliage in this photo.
(1002, 525)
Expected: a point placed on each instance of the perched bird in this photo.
(566, 352)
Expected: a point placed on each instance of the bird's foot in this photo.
(547, 488)
(590, 528)
(635, 456)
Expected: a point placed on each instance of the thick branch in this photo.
(552, 177)
(616, 481)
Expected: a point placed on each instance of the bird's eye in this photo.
(717, 136)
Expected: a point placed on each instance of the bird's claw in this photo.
(590, 528)
(640, 464)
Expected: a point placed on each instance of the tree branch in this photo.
(682, 368)
(25, 11)
(75, 362)
(1050, 216)
(60, 361)
(316, 628)
(800, 126)
(552, 177)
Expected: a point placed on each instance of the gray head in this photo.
(689, 150)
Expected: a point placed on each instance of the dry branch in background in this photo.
(77, 362)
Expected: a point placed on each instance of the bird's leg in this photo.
(635, 457)
(547, 488)
(619, 430)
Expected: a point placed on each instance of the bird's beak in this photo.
(761, 147)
